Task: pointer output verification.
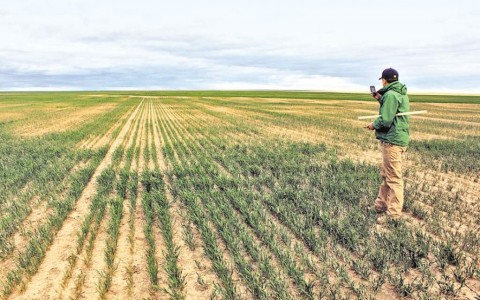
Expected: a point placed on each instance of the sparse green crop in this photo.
(264, 195)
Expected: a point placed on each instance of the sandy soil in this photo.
(45, 284)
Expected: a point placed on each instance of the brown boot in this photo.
(379, 208)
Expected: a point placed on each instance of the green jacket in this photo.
(388, 127)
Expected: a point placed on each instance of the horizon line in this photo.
(128, 89)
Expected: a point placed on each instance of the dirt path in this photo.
(108, 136)
(46, 283)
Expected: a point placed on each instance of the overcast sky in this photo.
(243, 44)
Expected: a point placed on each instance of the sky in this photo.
(235, 45)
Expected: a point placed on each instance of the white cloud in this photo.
(293, 82)
(318, 45)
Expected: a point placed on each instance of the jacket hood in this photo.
(395, 86)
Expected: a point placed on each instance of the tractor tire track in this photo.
(46, 283)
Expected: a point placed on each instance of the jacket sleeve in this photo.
(388, 110)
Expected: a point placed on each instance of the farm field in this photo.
(230, 195)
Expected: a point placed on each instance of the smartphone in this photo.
(373, 91)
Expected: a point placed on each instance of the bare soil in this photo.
(46, 283)
(151, 115)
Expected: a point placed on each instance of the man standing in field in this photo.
(393, 134)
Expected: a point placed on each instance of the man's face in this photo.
(384, 82)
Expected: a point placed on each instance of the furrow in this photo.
(47, 280)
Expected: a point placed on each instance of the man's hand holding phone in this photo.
(374, 93)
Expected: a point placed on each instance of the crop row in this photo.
(278, 218)
(264, 231)
(338, 212)
(52, 170)
(36, 171)
(259, 226)
(29, 259)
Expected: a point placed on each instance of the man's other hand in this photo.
(370, 126)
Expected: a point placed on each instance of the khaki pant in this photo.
(390, 194)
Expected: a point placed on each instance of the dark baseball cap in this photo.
(389, 74)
